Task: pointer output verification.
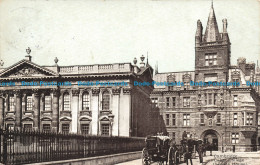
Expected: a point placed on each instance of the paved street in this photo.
(228, 158)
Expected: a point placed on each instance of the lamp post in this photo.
(111, 121)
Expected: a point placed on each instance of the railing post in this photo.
(5, 132)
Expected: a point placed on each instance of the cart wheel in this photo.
(146, 160)
(177, 158)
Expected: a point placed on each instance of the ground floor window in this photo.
(46, 128)
(105, 129)
(235, 138)
(27, 127)
(85, 129)
(65, 128)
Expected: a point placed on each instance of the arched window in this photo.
(29, 103)
(47, 103)
(11, 103)
(106, 100)
(66, 102)
(85, 101)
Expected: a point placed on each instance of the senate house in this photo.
(223, 115)
(88, 99)
(226, 116)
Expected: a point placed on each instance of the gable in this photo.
(26, 68)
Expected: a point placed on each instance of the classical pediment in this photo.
(26, 68)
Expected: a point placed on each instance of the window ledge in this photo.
(202, 124)
(218, 124)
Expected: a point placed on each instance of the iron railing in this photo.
(20, 147)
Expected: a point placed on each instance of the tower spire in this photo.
(212, 32)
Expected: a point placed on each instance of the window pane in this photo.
(29, 103)
(105, 129)
(106, 100)
(85, 129)
(66, 102)
(65, 128)
(47, 103)
(11, 103)
(85, 101)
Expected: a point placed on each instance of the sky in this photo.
(84, 32)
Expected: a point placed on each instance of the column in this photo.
(95, 110)
(18, 110)
(1, 110)
(125, 112)
(115, 110)
(244, 118)
(36, 118)
(55, 111)
(74, 110)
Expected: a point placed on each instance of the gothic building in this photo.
(62, 99)
(226, 116)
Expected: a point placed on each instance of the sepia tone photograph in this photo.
(120, 82)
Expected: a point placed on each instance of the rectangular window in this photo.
(105, 129)
(11, 103)
(173, 119)
(235, 138)
(215, 98)
(202, 118)
(65, 128)
(155, 101)
(27, 127)
(235, 119)
(186, 119)
(46, 127)
(29, 103)
(218, 118)
(66, 102)
(167, 101)
(186, 102)
(85, 129)
(206, 99)
(235, 100)
(10, 127)
(172, 135)
(47, 103)
(210, 98)
(249, 118)
(85, 101)
(173, 101)
(210, 59)
(167, 119)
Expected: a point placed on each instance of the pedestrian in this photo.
(189, 151)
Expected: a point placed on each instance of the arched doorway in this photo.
(211, 136)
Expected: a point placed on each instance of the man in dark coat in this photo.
(190, 148)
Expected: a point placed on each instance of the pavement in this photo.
(218, 158)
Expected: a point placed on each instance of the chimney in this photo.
(135, 66)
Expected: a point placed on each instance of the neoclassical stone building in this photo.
(226, 116)
(62, 99)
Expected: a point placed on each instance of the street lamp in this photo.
(111, 121)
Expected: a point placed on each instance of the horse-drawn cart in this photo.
(159, 149)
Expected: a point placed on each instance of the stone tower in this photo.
(212, 51)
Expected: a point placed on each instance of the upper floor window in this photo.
(11, 103)
(235, 100)
(167, 119)
(29, 103)
(155, 101)
(218, 118)
(173, 101)
(210, 59)
(235, 119)
(66, 102)
(106, 101)
(186, 119)
(167, 101)
(186, 102)
(85, 101)
(249, 119)
(47, 103)
(173, 119)
(202, 118)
